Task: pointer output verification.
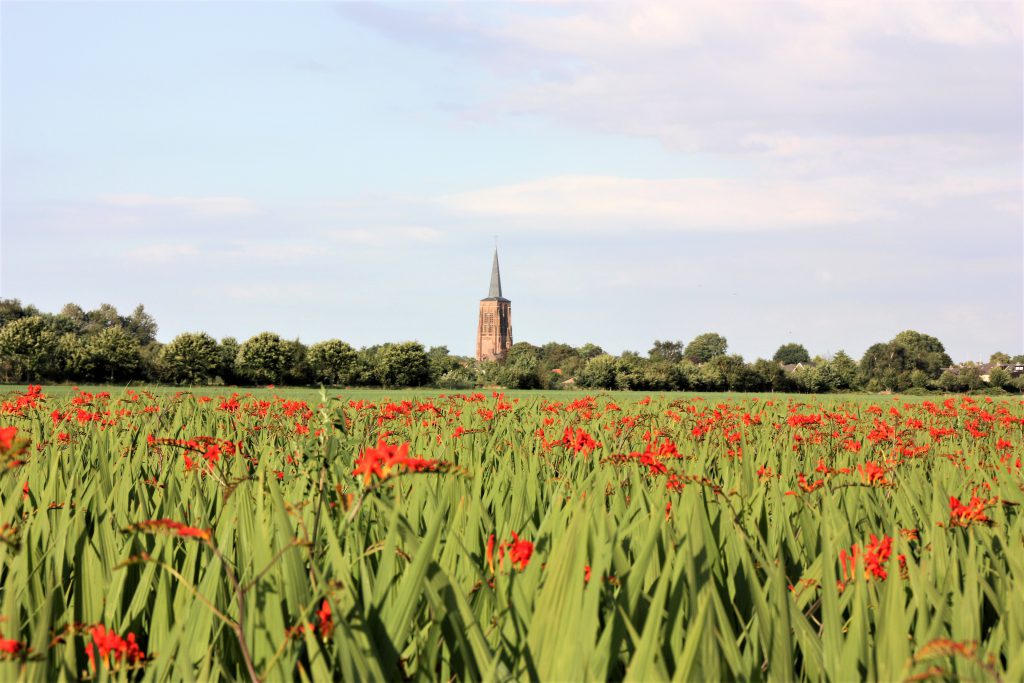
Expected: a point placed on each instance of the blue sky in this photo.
(791, 171)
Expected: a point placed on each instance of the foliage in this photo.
(12, 309)
(666, 351)
(29, 349)
(264, 358)
(112, 355)
(332, 362)
(479, 537)
(227, 351)
(402, 365)
(190, 358)
(892, 365)
(599, 372)
(519, 369)
(704, 347)
(791, 353)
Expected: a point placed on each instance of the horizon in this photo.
(828, 175)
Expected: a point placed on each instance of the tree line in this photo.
(102, 345)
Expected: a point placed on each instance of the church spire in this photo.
(495, 291)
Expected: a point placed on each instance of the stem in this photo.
(247, 587)
(316, 520)
(239, 625)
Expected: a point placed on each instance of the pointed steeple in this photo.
(495, 291)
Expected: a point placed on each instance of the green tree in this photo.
(688, 376)
(72, 319)
(104, 317)
(441, 363)
(227, 351)
(366, 362)
(630, 372)
(588, 351)
(264, 359)
(666, 352)
(142, 325)
(769, 376)
(402, 365)
(791, 353)
(191, 358)
(1000, 358)
(599, 372)
(11, 309)
(114, 355)
(735, 374)
(520, 368)
(892, 365)
(557, 356)
(842, 372)
(29, 350)
(704, 347)
(75, 361)
(332, 362)
(997, 377)
(961, 379)
(297, 372)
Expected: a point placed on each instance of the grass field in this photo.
(274, 535)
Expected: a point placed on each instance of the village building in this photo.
(494, 327)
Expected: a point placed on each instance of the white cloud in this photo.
(202, 206)
(385, 236)
(232, 252)
(685, 203)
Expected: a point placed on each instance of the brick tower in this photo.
(494, 330)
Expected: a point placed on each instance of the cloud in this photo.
(201, 206)
(233, 252)
(686, 203)
(725, 77)
(385, 236)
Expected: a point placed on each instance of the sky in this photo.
(816, 172)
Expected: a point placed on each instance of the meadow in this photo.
(287, 534)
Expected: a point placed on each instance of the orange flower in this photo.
(964, 515)
(113, 649)
(326, 622)
(7, 435)
(154, 526)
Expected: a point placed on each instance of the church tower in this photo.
(494, 330)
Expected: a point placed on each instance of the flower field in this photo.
(482, 536)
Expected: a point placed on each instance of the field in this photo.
(195, 536)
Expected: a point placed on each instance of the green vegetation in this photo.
(104, 346)
(609, 537)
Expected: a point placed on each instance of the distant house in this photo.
(985, 369)
(1015, 369)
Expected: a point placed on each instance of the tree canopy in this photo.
(791, 353)
(705, 346)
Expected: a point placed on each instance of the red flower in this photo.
(490, 552)
(153, 526)
(326, 623)
(520, 551)
(12, 647)
(876, 554)
(7, 435)
(964, 515)
(872, 474)
(113, 649)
